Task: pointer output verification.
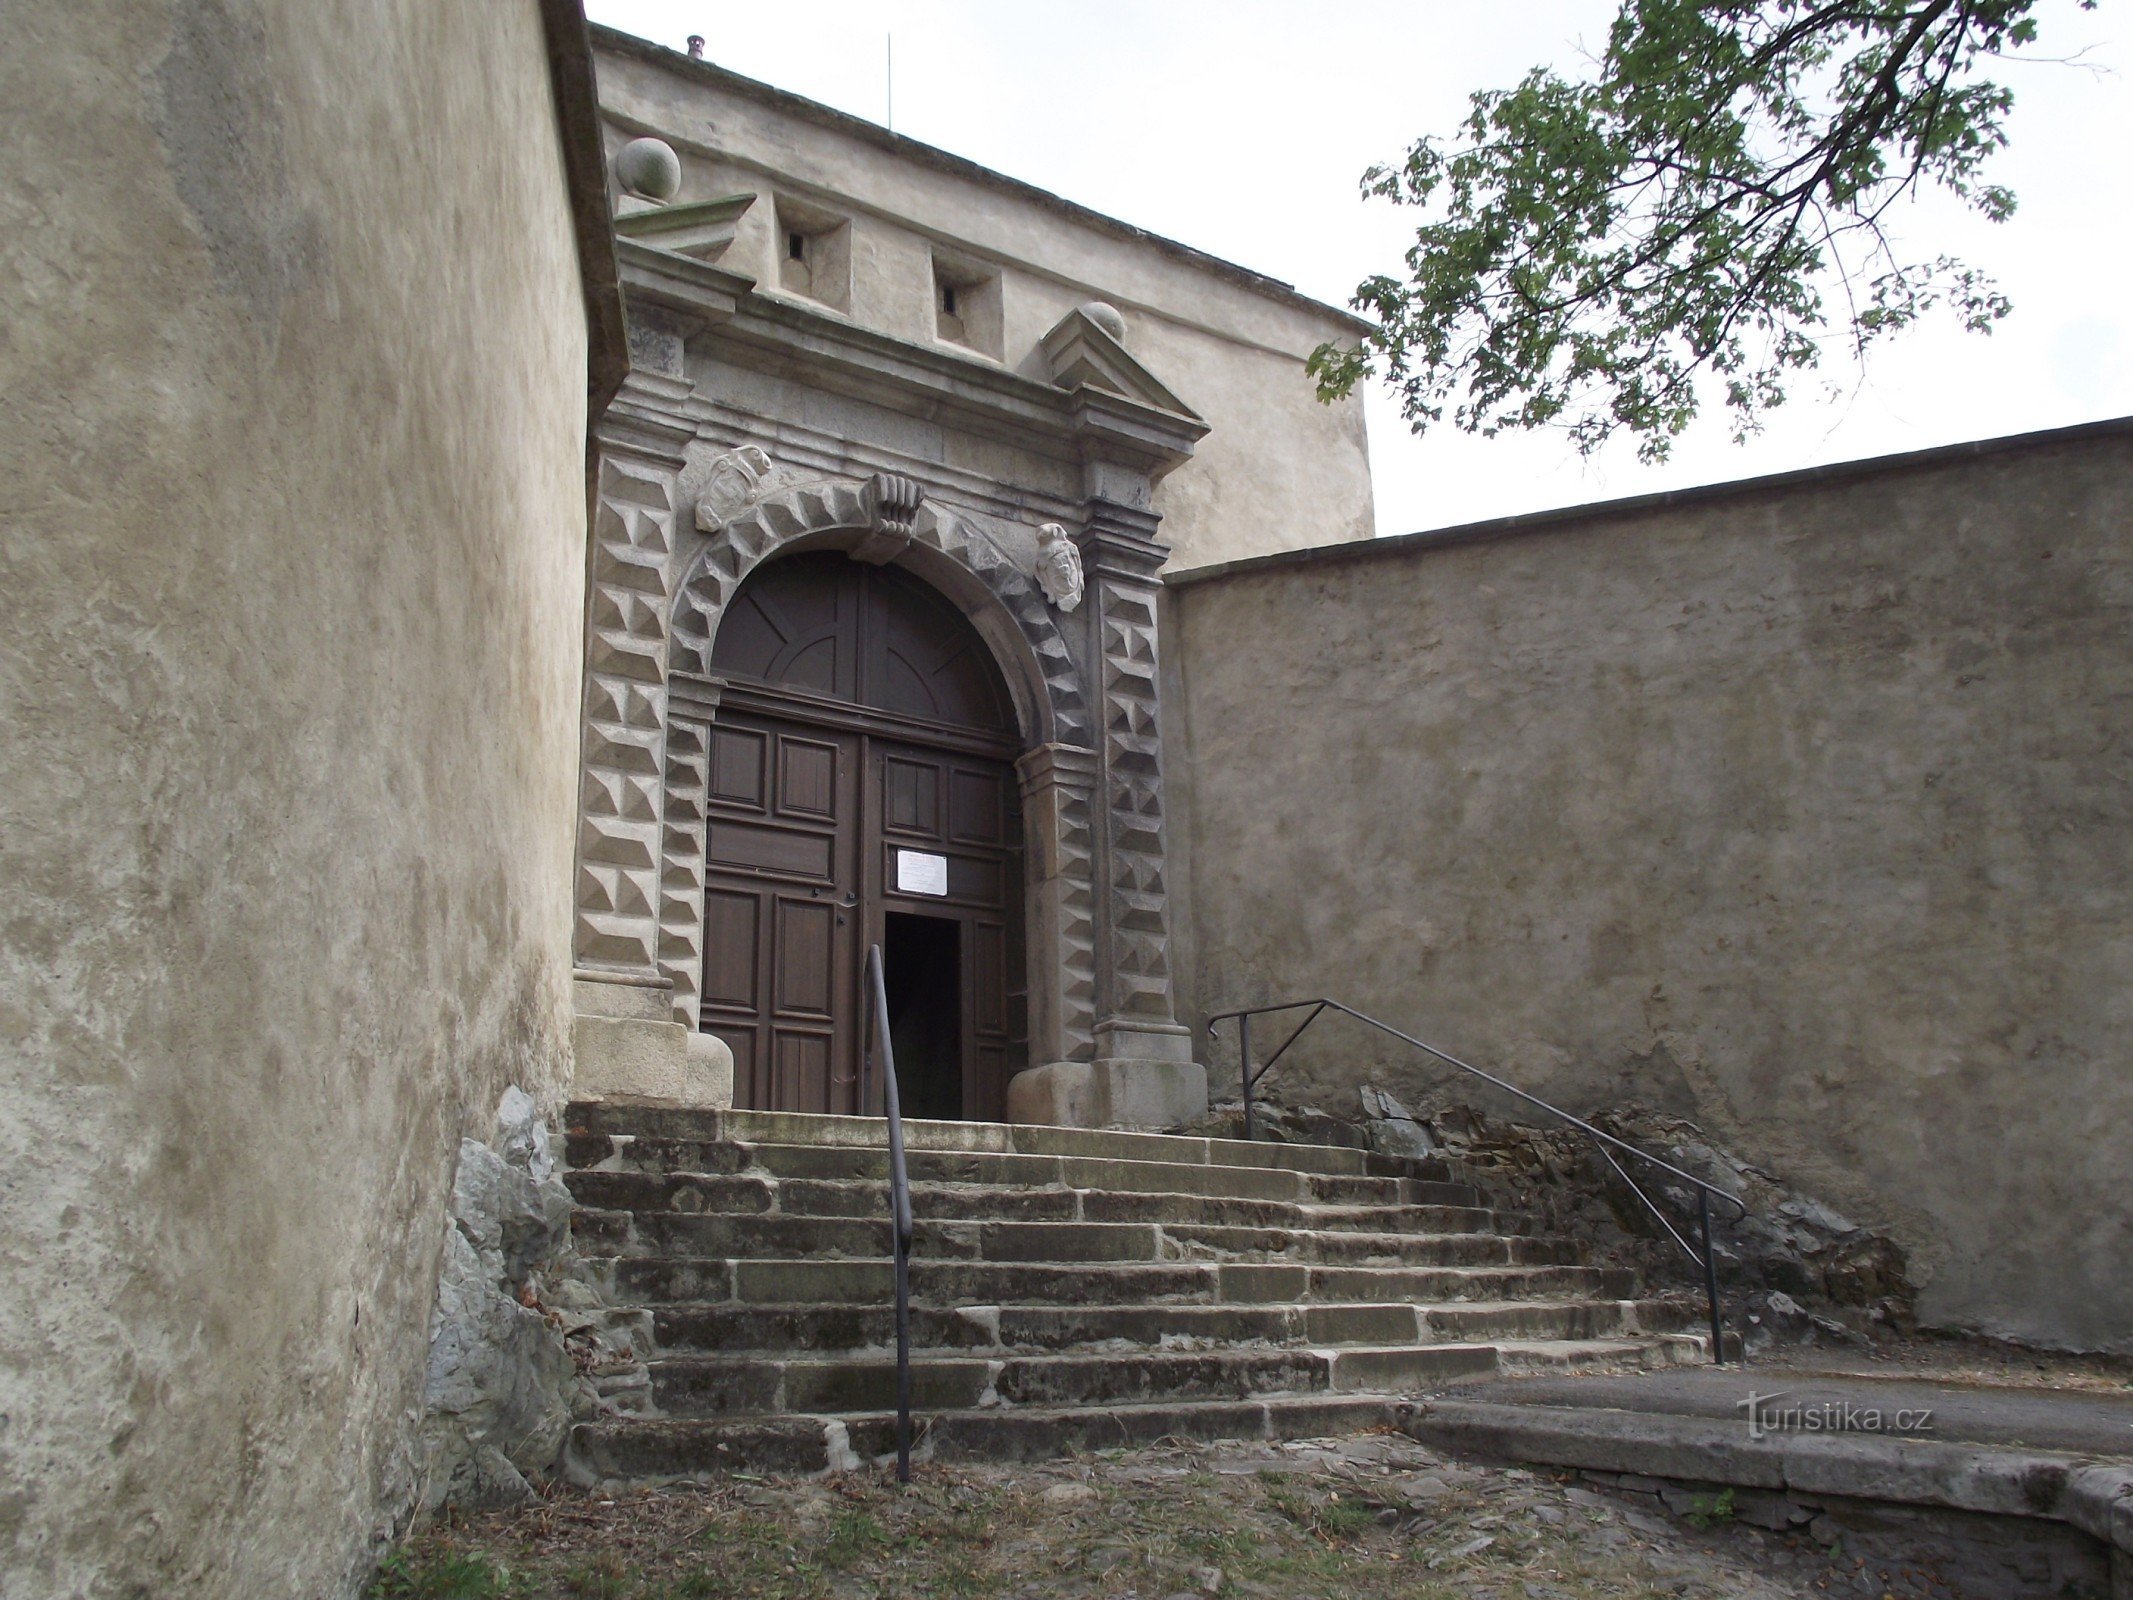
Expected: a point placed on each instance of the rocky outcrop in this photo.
(503, 1382)
(1792, 1270)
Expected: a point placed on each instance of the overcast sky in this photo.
(1241, 126)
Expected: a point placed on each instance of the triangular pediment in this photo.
(699, 228)
(1081, 353)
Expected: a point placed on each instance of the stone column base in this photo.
(1112, 1093)
(630, 1048)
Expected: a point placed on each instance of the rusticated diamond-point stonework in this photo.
(685, 519)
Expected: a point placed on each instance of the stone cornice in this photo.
(1120, 542)
(725, 318)
(1110, 427)
(644, 420)
(1047, 764)
(695, 294)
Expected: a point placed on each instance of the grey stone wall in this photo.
(295, 367)
(1798, 807)
(1278, 469)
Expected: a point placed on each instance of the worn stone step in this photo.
(755, 1234)
(1031, 1170)
(1418, 1248)
(665, 1449)
(670, 1233)
(778, 1127)
(722, 1385)
(1248, 1282)
(840, 1329)
(853, 1328)
(1507, 1322)
(585, 1150)
(1560, 1355)
(1089, 1172)
(655, 1280)
(630, 1189)
(931, 1202)
(1071, 1172)
(1100, 1205)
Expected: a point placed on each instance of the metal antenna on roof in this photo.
(888, 41)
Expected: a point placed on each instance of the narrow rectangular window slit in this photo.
(917, 872)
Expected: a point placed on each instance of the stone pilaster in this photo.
(684, 830)
(1121, 558)
(1058, 788)
(629, 1041)
(620, 793)
(1139, 1070)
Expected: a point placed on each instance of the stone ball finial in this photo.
(649, 168)
(1107, 317)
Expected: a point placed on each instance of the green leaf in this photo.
(1701, 213)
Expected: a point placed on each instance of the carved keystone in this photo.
(892, 504)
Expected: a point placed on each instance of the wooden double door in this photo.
(836, 821)
(823, 841)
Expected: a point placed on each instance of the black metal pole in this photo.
(1710, 1280)
(900, 1228)
(903, 1359)
(1244, 1054)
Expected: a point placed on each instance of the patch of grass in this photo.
(1327, 1513)
(988, 1534)
(606, 1577)
(446, 1575)
(854, 1535)
(1709, 1509)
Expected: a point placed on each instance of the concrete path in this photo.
(2077, 1423)
(1820, 1442)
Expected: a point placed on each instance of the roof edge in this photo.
(1530, 522)
(577, 105)
(647, 50)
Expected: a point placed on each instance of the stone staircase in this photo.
(1071, 1289)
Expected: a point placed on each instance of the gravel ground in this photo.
(1361, 1519)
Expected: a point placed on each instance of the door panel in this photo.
(910, 801)
(805, 957)
(974, 810)
(730, 950)
(958, 807)
(781, 926)
(807, 778)
(779, 850)
(737, 767)
(805, 1079)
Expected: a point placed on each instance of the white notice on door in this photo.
(919, 873)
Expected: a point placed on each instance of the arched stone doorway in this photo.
(1103, 1046)
(861, 790)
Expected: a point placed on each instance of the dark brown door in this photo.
(861, 790)
(943, 832)
(781, 911)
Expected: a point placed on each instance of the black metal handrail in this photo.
(1700, 1252)
(899, 1206)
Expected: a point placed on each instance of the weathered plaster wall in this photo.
(1278, 470)
(1798, 807)
(295, 361)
